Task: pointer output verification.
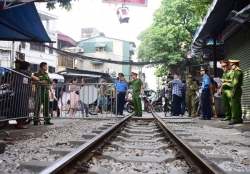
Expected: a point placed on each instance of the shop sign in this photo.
(227, 32)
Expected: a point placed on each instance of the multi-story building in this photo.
(33, 52)
(67, 44)
(109, 49)
(87, 33)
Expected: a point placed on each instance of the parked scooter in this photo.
(130, 105)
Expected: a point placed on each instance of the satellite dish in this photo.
(88, 94)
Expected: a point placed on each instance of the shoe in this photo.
(202, 118)
(35, 123)
(139, 115)
(235, 122)
(226, 119)
(48, 123)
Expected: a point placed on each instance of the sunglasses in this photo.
(232, 64)
(224, 66)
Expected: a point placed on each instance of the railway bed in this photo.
(138, 145)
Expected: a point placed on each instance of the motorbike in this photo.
(158, 106)
(130, 105)
(6, 97)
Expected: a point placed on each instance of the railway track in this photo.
(136, 145)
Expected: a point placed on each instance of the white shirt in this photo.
(153, 96)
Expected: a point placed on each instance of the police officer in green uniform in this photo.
(137, 87)
(44, 93)
(191, 88)
(236, 92)
(225, 89)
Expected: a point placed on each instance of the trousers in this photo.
(176, 105)
(190, 100)
(137, 103)
(43, 99)
(236, 106)
(227, 99)
(206, 108)
(120, 103)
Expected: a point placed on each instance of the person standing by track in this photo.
(191, 95)
(137, 87)
(206, 108)
(177, 95)
(236, 93)
(44, 93)
(225, 89)
(121, 92)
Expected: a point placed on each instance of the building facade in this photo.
(34, 53)
(66, 44)
(109, 49)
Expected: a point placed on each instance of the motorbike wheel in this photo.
(149, 109)
(92, 109)
(130, 108)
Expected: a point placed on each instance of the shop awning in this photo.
(22, 23)
(211, 25)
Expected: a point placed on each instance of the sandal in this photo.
(21, 127)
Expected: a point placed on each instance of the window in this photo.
(23, 44)
(51, 49)
(34, 67)
(65, 61)
(100, 49)
(51, 69)
(97, 66)
(37, 47)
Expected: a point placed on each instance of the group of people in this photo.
(40, 77)
(119, 94)
(184, 94)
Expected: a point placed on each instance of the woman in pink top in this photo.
(74, 97)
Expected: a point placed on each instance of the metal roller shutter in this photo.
(238, 47)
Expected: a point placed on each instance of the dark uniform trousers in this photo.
(206, 108)
(120, 102)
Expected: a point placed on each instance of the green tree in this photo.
(201, 7)
(66, 4)
(171, 33)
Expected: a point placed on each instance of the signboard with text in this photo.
(4, 55)
(142, 3)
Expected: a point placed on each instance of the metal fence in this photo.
(90, 100)
(16, 96)
(21, 98)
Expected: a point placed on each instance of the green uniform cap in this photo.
(190, 76)
(18, 60)
(234, 61)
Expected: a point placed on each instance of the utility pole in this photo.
(12, 55)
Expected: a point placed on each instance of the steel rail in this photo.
(83, 153)
(193, 157)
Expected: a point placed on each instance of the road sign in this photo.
(142, 3)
